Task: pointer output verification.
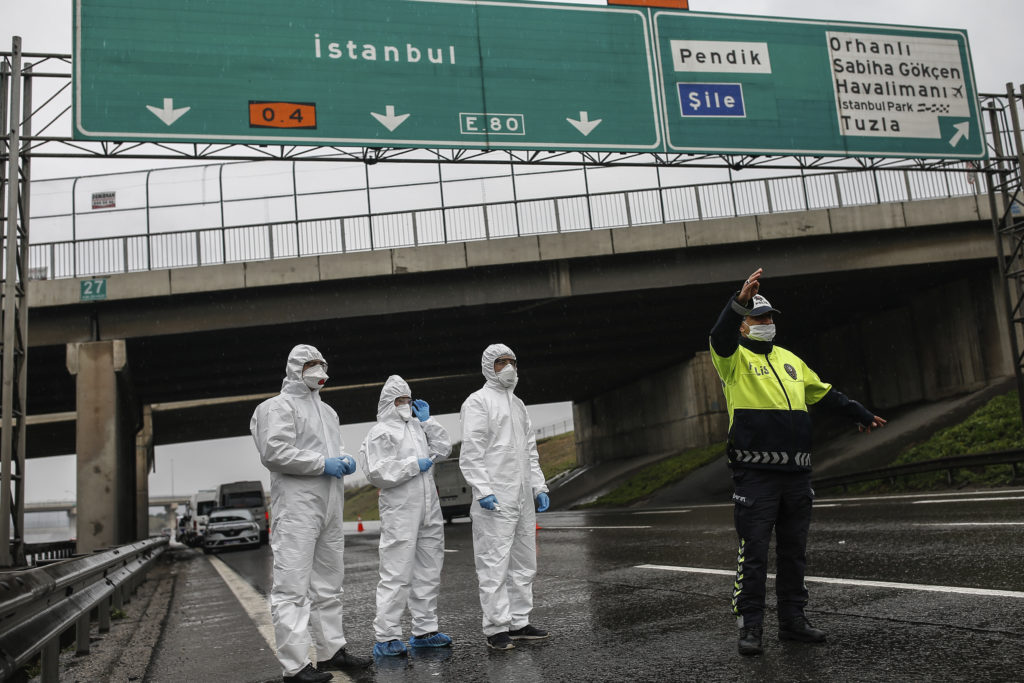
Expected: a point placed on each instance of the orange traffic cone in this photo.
(359, 518)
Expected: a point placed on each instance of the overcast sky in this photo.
(993, 27)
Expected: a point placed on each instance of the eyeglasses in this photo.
(502, 362)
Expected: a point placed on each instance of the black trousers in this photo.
(766, 500)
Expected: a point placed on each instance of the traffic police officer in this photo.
(767, 390)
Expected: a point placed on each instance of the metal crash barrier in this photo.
(37, 606)
(1009, 457)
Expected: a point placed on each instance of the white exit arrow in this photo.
(584, 125)
(168, 114)
(963, 130)
(388, 119)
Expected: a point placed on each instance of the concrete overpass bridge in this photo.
(893, 301)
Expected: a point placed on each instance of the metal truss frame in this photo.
(52, 75)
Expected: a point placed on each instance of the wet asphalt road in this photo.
(612, 620)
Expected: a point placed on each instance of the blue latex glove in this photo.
(489, 502)
(425, 464)
(543, 502)
(348, 464)
(420, 409)
(334, 467)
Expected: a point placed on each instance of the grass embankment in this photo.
(655, 476)
(557, 454)
(996, 426)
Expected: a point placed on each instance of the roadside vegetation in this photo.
(557, 455)
(657, 475)
(996, 426)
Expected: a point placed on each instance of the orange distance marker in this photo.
(282, 114)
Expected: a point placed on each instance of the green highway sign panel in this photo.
(495, 74)
(781, 86)
(93, 290)
(396, 73)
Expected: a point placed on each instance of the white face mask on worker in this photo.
(762, 332)
(507, 375)
(404, 411)
(315, 377)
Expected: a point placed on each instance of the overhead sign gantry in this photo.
(516, 75)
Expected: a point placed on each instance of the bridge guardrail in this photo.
(463, 223)
(37, 606)
(36, 553)
(1010, 457)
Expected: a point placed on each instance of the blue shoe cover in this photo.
(392, 648)
(436, 639)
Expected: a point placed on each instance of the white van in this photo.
(453, 492)
(246, 495)
(200, 505)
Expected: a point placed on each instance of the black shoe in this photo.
(500, 641)
(798, 628)
(750, 640)
(528, 633)
(344, 660)
(308, 675)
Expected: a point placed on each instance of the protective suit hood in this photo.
(491, 354)
(297, 357)
(394, 387)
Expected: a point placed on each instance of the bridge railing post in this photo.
(906, 183)
(768, 195)
(839, 189)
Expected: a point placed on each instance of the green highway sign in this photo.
(93, 290)
(397, 73)
(781, 86)
(496, 74)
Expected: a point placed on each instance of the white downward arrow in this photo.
(584, 125)
(963, 130)
(388, 119)
(168, 114)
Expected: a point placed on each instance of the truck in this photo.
(246, 495)
(454, 493)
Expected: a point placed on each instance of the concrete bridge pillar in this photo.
(107, 420)
(145, 462)
(675, 409)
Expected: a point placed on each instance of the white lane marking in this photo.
(852, 582)
(449, 550)
(662, 512)
(972, 524)
(828, 505)
(258, 608)
(563, 528)
(252, 602)
(968, 500)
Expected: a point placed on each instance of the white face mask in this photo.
(405, 411)
(315, 377)
(507, 376)
(762, 332)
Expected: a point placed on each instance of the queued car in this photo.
(231, 528)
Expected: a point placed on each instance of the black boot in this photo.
(750, 640)
(308, 675)
(344, 660)
(798, 628)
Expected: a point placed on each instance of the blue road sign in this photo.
(711, 99)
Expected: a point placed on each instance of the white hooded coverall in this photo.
(294, 432)
(499, 456)
(411, 525)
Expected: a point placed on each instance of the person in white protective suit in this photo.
(500, 462)
(398, 455)
(299, 440)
